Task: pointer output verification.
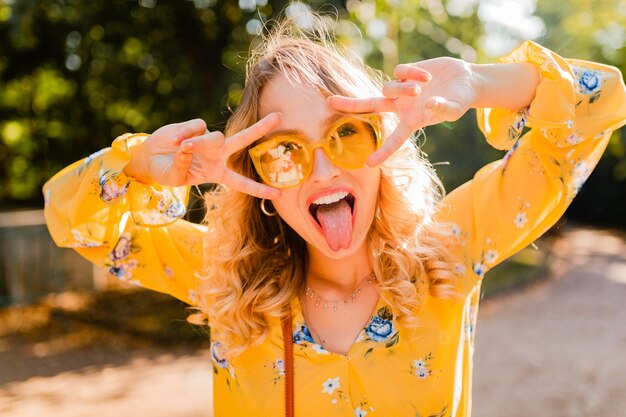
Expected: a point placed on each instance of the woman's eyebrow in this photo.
(333, 118)
(327, 122)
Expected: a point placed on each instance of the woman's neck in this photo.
(334, 278)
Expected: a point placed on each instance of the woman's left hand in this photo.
(425, 93)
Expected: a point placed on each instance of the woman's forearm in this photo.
(505, 86)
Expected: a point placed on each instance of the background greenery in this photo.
(74, 74)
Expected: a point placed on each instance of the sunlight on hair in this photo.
(254, 268)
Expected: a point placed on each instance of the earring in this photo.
(264, 210)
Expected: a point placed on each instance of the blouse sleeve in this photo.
(510, 203)
(132, 229)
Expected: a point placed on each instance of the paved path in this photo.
(556, 349)
(158, 386)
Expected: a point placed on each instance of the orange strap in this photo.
(288, 342)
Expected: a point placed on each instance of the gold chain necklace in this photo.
(321, 301)
(307, 319)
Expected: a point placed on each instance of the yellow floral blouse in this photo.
(134, 231)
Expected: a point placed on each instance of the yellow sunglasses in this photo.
(284, 161)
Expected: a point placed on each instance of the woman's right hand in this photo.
(187, 153)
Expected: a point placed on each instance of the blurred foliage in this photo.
(74, 74)
(596, 31)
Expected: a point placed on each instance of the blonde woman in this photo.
(328, 214)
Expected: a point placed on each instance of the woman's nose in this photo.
(323, 168)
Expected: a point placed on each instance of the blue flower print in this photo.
(589, 81)
(379, 329)
(302, 334)
(515, 130)
(122, 248)
(422, 373)
(220, 362)
(520, 122)
(579, 175)
(480, 269)
(111, 186)
(216, 355)
(124, 271)
(119, 262)
(117, 271)
(508, 155)
(278, 369)
(175, 210)
(421, 366)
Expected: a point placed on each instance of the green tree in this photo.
(594, 30)
(388, 32)
(74, 74)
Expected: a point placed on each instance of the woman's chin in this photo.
(327, 250)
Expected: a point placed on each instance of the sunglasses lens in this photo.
(352, 142)
(285, 161)
(283, 164)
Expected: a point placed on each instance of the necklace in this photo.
(319, 300)
(322, 342)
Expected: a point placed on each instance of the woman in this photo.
(329, 215)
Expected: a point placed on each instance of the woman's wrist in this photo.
(137, 167)
(505, 86)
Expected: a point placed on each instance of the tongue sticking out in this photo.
(336, 221)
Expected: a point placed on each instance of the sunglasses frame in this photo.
(374, 120)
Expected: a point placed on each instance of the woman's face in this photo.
(332, 210)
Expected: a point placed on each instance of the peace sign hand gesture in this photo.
(425, 93)
(188, 154)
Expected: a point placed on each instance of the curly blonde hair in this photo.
(257, 264)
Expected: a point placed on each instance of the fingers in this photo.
(361, 105)
(411, 72)
(249, 186)
(203, 142)
(247, 136)
(402, 132)
(189, 129)
(401, 88)
(180, 168)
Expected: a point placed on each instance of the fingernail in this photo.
(398, 70)
(186, 146)
(414, 89)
